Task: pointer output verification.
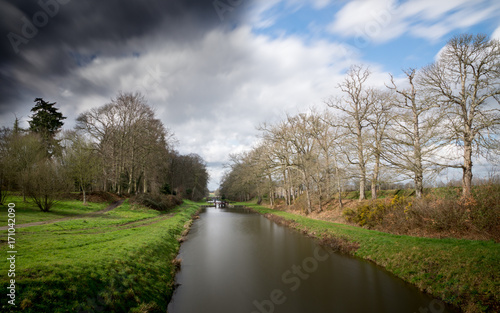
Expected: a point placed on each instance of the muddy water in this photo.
(235, 261)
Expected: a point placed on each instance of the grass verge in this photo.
(464, 273)
(121, 261)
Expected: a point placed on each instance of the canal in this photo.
(236, 261)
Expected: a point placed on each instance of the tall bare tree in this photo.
(304, 148)
(413, 139)
(132, 143)
(465, 80)
(357, 104)
(379, 120)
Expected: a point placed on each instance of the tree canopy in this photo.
(46, 121)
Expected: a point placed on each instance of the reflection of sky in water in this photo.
(235, 261)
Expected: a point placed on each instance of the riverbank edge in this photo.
(130, 283)
(421, 262)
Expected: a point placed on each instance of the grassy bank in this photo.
(28, 212)
(119, 261)
(464, 273)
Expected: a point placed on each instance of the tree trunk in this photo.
(417, 154)
(84, 197)
(308, 195)
(271, 191)
(362, 168)
(376, 169)
(374, 188)
(419, 188)
(467, 169)
(339, 189)
(362, 184)
(375, 178)
(145, 187)
(287, 189)
(320, 208)
(339, 186)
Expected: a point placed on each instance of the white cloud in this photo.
(376, 20)
(496, 33)
(214, 93)
(320, 4)
(383, 20)
(264, 13)
(259, 16)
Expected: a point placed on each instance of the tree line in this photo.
(368, 136)
(120, 147)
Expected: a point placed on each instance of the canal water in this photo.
(236, 261)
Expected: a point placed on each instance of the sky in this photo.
(214, 70)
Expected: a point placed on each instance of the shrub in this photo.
(44, 184)
(448, 214)
(368, 214)
(159, 202)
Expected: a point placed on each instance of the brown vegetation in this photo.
(440, 213)
(158, 202)
(473, 217)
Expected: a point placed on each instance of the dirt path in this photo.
(110, 207)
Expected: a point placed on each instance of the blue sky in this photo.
(214, 78)
(394, 34)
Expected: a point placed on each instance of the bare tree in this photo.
(413, 139)
(379, 120)
(276, 137)
(356, 104)
(45, 182)
(5, 135)
(23, 152)
(465, 81)
(81, 161)
(101, 125)
(294, 149)
(325, 129)
(132, 143)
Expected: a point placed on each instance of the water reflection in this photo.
(237, 261)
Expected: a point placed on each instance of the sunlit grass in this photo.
(116, 261)
(28, 212)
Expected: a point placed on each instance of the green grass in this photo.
(117, 262)
(465, 273)
(28, 212)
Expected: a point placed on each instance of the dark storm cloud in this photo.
(49, 38)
